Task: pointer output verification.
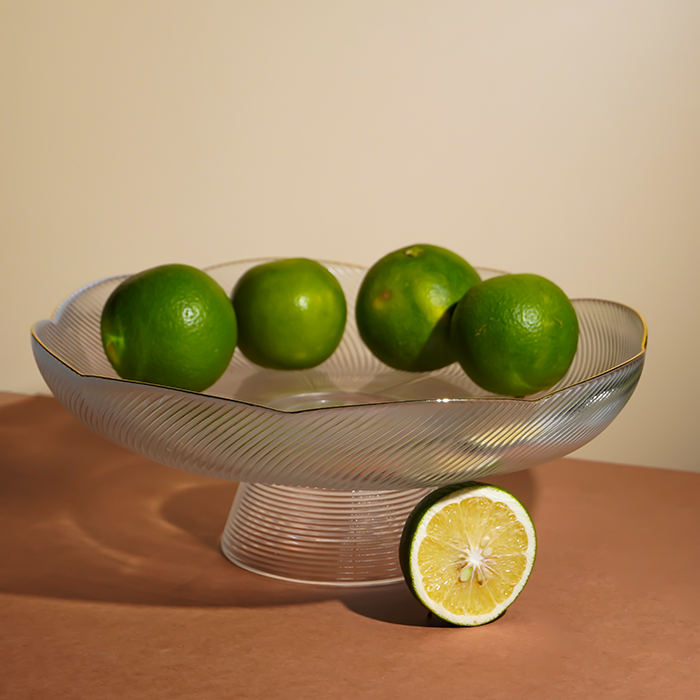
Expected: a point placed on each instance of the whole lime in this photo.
(171, 325)
(405, 303)
(291, 313)
(515, 335)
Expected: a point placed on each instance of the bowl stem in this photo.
(318, 536)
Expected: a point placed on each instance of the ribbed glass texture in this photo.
(351, 424)
(318, 536)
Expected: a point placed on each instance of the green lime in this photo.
(467, 551)
(515, 334)
(171, 325)
(291, 313)
(405, 303)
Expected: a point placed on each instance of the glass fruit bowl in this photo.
(331, 460)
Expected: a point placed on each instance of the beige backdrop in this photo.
(546, 136)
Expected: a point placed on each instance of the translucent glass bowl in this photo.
(332, 459)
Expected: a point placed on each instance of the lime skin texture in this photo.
(405, 303)
(171, 325)
(291, 314)
(515, 335)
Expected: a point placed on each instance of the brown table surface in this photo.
(112, 586)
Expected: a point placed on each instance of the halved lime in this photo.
(467, 551)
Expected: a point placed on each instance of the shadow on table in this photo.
(84, 519)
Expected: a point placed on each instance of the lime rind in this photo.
(172, 325)
(415, 533)
(515, 335)
(405, 302)
(291, 313)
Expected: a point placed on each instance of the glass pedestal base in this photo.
(318, 536)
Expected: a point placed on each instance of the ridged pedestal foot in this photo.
(319, 536)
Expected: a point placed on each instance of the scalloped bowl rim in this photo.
(467, 399)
